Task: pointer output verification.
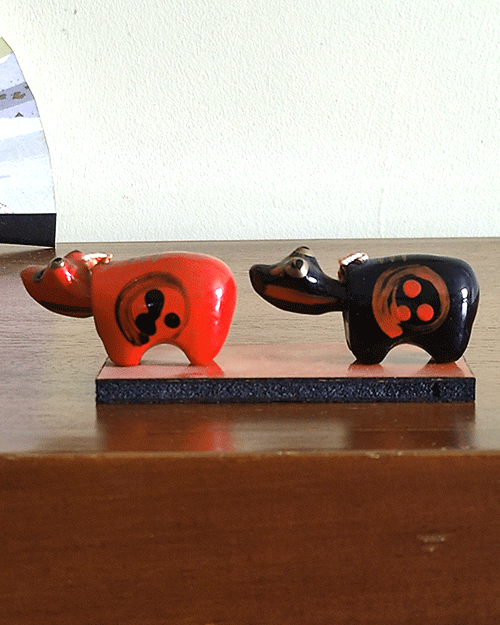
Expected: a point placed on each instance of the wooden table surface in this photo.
(243, 514)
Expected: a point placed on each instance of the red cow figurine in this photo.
(176, 297)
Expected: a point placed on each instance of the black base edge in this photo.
(28, 229)
(223, 390)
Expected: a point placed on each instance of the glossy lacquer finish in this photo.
(425, 300)
(319, 514)
(181, 298)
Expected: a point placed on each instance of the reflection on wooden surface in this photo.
(285, 427)
(48, 387)
(243, 514)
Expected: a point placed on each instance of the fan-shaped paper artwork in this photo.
(27, 208)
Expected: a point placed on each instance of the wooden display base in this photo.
(285, 373)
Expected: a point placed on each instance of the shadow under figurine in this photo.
(176, 297)
(429, 301)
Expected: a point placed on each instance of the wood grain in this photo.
(254, 539)
(318, 514)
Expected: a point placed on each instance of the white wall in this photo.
(236, 119)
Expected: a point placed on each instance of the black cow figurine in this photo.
(426, 300)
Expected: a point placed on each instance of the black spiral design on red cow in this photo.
(149, 304)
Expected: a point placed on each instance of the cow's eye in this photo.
(56, 262)
(297, 268)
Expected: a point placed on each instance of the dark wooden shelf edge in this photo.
(332, 538)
